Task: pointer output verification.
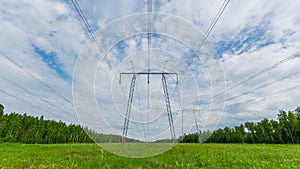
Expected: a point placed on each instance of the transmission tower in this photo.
(194, 114)
(166, 94)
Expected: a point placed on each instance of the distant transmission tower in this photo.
(195, 118)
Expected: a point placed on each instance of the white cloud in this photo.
(52, 27)
(254, 35)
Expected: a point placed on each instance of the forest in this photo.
(21, 128)
(27, 129)
(285, 129)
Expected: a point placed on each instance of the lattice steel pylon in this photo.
(130, 98)
(195, 117)
(128, 108)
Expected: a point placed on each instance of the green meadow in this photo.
(13, 155)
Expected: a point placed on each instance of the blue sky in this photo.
(51, 60)
(46, 37)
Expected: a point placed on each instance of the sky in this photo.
(50, 65)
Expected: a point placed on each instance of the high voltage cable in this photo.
(86, 24)
(36, 78)
(42, 82)
(263, 97)
(286, 90)
(23, 100)
(77, 7)
(264, 85)
(28, 91)
(277, 64)
(266, 70)
(212, 25)
(268, 95)
(216, 19)
(91, 32)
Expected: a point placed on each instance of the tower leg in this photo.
(128, 109)
(168, 105)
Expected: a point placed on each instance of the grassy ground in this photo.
(181, 156)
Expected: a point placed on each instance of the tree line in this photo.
(18, 128)
(285, 129)
(27, 129)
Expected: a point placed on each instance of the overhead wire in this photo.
(78, 9)
(35, 95)
(97, 43)
(285, 90)
(272, 95)
(255, 75)
(91, 32)
(221, 10)
(25, 101)
(266, 70)
(38, 79)
(263, 86)
(42, 82)
(212, 25)
(209, 30)
(277, 64)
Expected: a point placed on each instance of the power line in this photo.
(285, 90)
(28, 91)
(269, 95)
(263, 86)
(212, 25)
(262, 97)
(36, 78)
(91, 32)
(266, 70)
(23, 100)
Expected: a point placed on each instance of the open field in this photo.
(181, 156)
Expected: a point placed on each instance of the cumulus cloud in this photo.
(41, 39)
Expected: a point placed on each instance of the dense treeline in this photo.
(286, 129)
(27, 129)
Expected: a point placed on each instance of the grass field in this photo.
(181, 156)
